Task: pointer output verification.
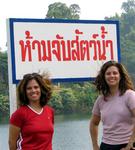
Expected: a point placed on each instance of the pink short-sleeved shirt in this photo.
(116, 116)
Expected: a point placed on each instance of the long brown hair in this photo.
(45, 86)
(125, 80)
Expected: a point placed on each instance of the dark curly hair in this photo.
(45, 86)
(125, 80)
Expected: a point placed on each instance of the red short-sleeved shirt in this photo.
(36, 128)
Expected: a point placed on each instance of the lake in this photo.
(71, 133)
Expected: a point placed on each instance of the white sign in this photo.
(67, 49)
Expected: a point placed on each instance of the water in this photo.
(4, 137)
(71, 133)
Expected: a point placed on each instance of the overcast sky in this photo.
(90, 10)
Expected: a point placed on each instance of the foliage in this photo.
(128, 6)
(78, 98)
(68, 100)
(4, 104)
(85, 94)
(62, 11)
(56, 102)
(4, 100)
(3, 68)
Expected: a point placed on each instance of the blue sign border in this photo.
(14, 20)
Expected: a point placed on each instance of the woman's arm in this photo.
(93, 128)
(14, 132)
(132, 138)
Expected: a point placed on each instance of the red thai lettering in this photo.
(59, 49)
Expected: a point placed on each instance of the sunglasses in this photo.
(31, 75)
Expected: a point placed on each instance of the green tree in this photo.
(4, 104)
(128, 6)
(128, 35)
(62, 11)
(3, 68)
(56, 102)
(74, 11)
(85, 95)
(4, 98)
(68, 100)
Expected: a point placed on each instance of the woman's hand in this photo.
(96, 148)
(127, 148)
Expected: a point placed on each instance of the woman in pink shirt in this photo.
(115, 107)
(32, 124)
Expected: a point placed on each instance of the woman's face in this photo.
(33, 91)
(112, 76)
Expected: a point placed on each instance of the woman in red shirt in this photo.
(32, 124)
